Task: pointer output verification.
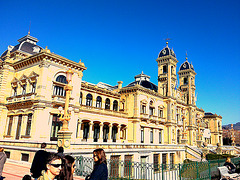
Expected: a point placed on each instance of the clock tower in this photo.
(167, 63)
(187, 82)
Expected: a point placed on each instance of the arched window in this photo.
(85, 130)
(89, 100)
(61, 79)
(99, 102)
(107, 103)
(114, 133)
(80, 99)
(115, 105)
(185, 81)
(59, 86)
(96, 132)
(105, 132)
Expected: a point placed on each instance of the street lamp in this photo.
(64, 134)
(184, 133)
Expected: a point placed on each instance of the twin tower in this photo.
(167, 77)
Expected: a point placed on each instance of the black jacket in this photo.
(100, 172)
(39, 163)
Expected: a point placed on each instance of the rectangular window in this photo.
(171, 160)
(160, 113)
(164, 69)
(160, 136)
(164, 160)
(24, 89)
(151, 135)
(15, 91)
(19, 127)
(34, 87)
(142, 134)
(7, 154)
(151, 111)
(156, 162)
(25, 157)
(29, 122)
(10, 125)
(114, 166)
(143, 109)
(56, 126)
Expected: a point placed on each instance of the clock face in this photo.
(164, 52)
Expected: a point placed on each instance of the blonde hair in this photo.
(1, 149)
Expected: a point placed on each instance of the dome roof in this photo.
(26, 44)
(186, 65)
(144, 81)
(166, 51)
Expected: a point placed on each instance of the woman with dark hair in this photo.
(100, 171)
(68, 168)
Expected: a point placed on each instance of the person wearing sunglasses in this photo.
(68, 168)
(54, 166)
(100, 171)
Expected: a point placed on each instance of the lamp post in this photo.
(199, 139)
(64, 134)
(184, 133)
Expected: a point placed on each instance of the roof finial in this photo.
(167, 39)
(186, 56)
(29, 28)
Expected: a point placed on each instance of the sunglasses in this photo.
(74, 165)
(56, 165)
(95, 155)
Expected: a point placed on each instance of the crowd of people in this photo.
(49, 166)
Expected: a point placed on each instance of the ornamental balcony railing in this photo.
(93, 109)
(22, 97)
(144, 116)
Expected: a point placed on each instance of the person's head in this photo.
(1, 149)
(26, 177)
(43, 145)
(99, 156)
(228, 159)
(54, 165)
(68, 168)
(60, 150)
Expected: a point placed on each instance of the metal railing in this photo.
(146, 171)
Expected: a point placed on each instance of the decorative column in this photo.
(80, 132)
(101, 133)
(110, 132)
(90, 132)
(118, 134)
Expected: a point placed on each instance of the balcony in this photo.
(161, 119)
(92, 109)
(144, 116)
(20, 98)
(153, 118)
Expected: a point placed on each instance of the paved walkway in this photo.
(15, 170)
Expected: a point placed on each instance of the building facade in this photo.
(141, 122)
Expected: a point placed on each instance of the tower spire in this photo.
(29, 28)
(186, 56)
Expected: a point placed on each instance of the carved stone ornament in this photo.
(44, 64)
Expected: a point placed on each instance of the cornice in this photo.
(46, 56)
(95, 88)
(136, 88)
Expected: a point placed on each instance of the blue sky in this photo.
(119, 39)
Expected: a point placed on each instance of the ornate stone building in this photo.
(142, 121)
